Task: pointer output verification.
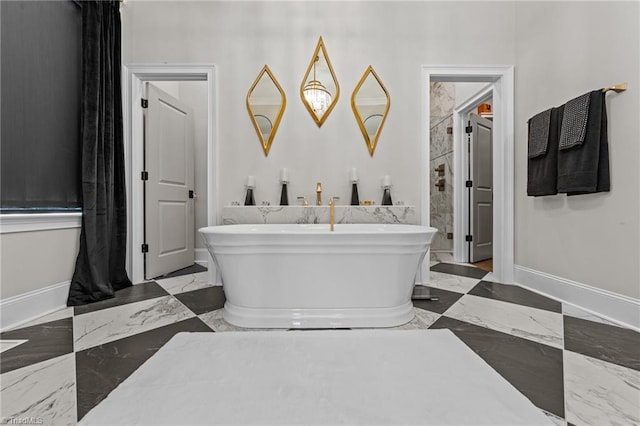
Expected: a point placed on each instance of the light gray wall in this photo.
(560, 50)
(241, 37)
(565, 50)
(37, 259)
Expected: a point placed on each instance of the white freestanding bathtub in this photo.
(305, 276)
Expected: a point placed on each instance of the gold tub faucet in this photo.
(318, 194)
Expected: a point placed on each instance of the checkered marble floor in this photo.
(577, 368)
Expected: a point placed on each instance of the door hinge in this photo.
(144, 103)
(468, 129)
(468, 238)
(469, 184)
(191, 193)
(144, 175)
(145, 248)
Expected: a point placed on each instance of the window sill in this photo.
(12, 223)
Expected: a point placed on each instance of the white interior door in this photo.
(481, 191)
(169, 204)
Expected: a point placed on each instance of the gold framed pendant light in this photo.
(319, 89)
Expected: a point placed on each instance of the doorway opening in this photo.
(199, 82)
(468, 165)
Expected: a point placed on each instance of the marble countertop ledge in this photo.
(318, 214)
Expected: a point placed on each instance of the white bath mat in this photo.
(351, 377)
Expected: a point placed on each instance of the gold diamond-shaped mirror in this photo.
(370, 102)
(266, 102)
(319, 89)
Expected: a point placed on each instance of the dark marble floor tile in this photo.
(532, 368)
(463, 270)
(446, 299)
(606, 342)
(135, 293)
(193, 269)
(515, 294)
(203, 300)
(100, 369)
(45, 341)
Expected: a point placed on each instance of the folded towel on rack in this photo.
(584, 168)
(542, 170)
(574, 122)
(539, 133)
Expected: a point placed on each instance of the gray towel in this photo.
(574, 122)
(584, 169)
(542, 171)
(539, 133)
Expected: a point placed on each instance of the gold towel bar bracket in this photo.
(616, 88)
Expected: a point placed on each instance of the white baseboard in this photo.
(202, 256)
(26, 307)
(611, 306)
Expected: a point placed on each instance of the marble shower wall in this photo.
(441, 149)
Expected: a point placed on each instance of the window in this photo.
(41, 54)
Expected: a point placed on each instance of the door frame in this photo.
(501, 77)
(460, 167)
(134, 78)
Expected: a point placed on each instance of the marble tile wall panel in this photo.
(441, 205)
(599, 393)
(318, 214)
(441, 202)
(441, 142)
(41, 393)
(442, 98)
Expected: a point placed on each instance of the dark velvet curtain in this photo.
(100, 265)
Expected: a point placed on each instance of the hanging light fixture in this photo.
(316, 94)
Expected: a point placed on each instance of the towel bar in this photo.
(620, 87)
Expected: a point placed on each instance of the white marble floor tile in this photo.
(422, 321)
(538, 325)
(450, 282)
(106, 325)
(5, 345)
(42, 393)
(215, 321)
(600, 393)
(184, 283)
(576, 312)
(53, 316)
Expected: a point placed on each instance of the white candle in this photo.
(354, 175)
(251, 182)
(284, 175)
(386, 181)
